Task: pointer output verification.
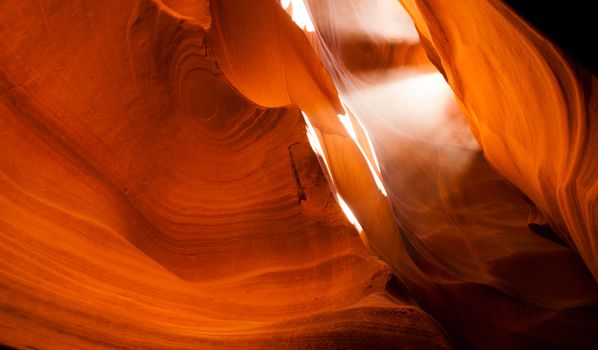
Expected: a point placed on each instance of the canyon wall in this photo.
(209, 174)
(145, 203)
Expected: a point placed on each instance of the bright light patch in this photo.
(299, 14)
(348, 124)
(376, 19)
(315, 144)
(351, 217)
(423, 108)
(346, 120)
(370, 145)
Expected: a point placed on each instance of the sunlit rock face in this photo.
(293, 174)
(538, 129)
(477, 248)
(146, 203)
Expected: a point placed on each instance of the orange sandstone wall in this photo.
(158, 189)
(464, 246)
(145, 203)
(532, 109)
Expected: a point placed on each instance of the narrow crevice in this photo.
(300, 190)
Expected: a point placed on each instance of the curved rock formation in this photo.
(146, 204)
(538, 129)
(467, 250)
(204, 174)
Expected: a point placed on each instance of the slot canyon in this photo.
(298, 174)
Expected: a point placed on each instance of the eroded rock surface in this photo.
(160, 187)
(145, 203)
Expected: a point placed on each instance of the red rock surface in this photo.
(159, 189)
(147, 204)
(474, 251)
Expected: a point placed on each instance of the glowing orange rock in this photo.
(170, 172)
(145, 203)
(465, 251)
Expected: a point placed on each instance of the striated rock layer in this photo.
(474, 251)
(145, 203)
(204, 174)
(538, 129)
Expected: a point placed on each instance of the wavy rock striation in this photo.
(174, 175)
(145, 203)
(474, 251)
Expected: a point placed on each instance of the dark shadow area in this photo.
(571, 25)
